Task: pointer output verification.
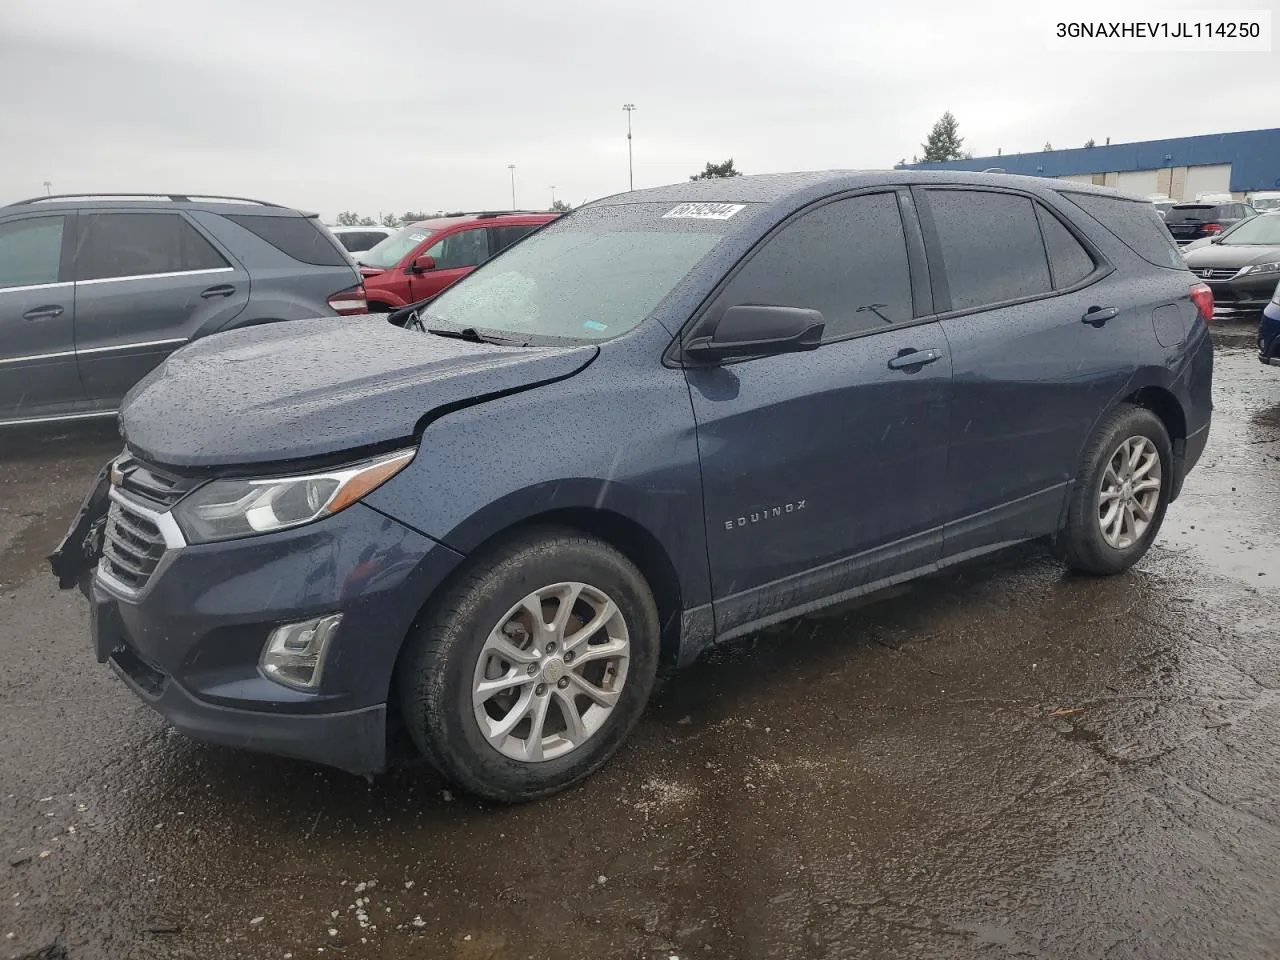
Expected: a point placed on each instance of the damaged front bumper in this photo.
(74, 559)
(189, 639)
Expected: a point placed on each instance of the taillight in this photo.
(1202, 297)
(1212, 228)
(348, 302)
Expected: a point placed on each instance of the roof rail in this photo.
(173, 197)
(485, 214)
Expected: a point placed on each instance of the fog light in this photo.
(294, 654)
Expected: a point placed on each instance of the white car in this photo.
(358, 240)
(1265, 200)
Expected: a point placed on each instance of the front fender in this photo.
(606, 440)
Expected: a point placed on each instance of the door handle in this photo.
(1099, 315)
(908, 359)
(47, 312)
(221, 290)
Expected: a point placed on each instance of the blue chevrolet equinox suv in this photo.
(669, 418)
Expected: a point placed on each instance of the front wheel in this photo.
(1120, 495)
(530, 671)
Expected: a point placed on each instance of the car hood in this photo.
(316, 388)
(1225, 255)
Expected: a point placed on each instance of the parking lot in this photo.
(1003, 761)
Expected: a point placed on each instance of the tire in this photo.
(1085, 543)
(462, 639)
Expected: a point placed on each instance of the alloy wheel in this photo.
(1129, 492)
(551, 672)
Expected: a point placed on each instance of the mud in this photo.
(1005, 761)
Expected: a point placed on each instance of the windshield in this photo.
(1256, 230)
(1268, 203)
(592, 275)
(387, 253)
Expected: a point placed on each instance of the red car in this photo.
(425, 257)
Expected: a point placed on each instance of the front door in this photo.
(823, 471)
(38, 375)
(146, 283)
(456, 254)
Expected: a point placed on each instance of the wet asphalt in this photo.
(1005, 761)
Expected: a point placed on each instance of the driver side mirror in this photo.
(423, 263)
(752, 331)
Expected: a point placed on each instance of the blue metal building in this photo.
(1181, 168)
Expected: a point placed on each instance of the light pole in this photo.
(631, 175)
(512, 168)
(48, 188)
(553, 196)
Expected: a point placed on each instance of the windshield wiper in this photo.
(470, 334)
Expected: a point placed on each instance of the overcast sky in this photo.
(387, 105)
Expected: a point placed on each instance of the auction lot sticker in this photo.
(703, 211)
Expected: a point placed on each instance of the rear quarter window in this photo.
(1135, 223)
(299, 237)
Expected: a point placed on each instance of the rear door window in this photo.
(299, 237)
(846, 259)
(30, 251)
(991, 247)
(1069, 261)
(115, 245)
(463, 248)
(502, 237)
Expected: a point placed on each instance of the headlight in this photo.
(227, 509)
(1258, 268)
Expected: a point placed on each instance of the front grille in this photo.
(1215, 273)
(153, 485)
(132, 546)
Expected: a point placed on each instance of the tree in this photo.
(411, 217)
(389, 220)
(717, 171)
(944, 143)
(1089, 143)
(348, 219)
(1048, 147)
(559, 206)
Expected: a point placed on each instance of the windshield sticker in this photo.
(703, 211)
(595, 325)
(417, 237)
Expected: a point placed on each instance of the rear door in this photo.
(457, 253)
(38, 375)
(1014, 282)
(146, 282)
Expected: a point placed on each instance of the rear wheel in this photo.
(1120, 493)
(532, 669)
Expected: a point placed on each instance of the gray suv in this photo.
(97, 290)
